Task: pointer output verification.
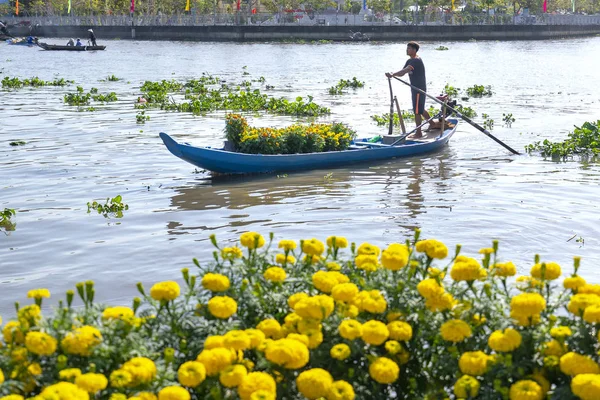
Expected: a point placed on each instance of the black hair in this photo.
(414, 45)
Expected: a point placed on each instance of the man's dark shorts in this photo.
(418, 100)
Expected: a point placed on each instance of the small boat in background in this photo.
(227, 162)
(21, 42)
(47, 46)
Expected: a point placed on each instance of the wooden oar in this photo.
(391, 127)
(480, 128)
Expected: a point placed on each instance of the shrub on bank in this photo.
(314, 320)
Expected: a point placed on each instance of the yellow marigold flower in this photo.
(579, 302)
(18, 354)
(341, 390)
(324, 280)
(541, 380)
(590, 288)
(314, 383)
(256, 337)
(551, 362)
(215, 360)
(443, 302)
(394, 316)
(34, 369)
(40, 343)
(473, 363)
(433, 248)
(313, 247)
(275, 274)
(299, 337)
(146, 396)
(400, 331)
(174, 393)
(288, 353)
(287, 245)
(119, 396)
(237, 340)
(38, 294)
(394, 257)
(295, 298)
(215, 282)
(429, 288)
(350, 329)
(393, 347)
(270, 327)
(552, 271)
(375, 332)
(340, 351)
(142, 369)
(372, 301)
(213, 342)
(465, 269)
(306, 324)
(29, 314)
(254, 382)
(384, 370)
(524, 320)
(455, 330)
(574, 282)
(120, 378)
(525, 390)
(367, 249)
(64, 391)
(232, 375)
(505, 341)
(344, 292)
(574, 364)
(262, 395)
(81, 341)
(504, 269)
(69, 374)
(528, 304)
(367, 262)
(282, 259)
(118, 312)
(591, 314)
(560, 332)
(466, 387)
(252, 240)
(333, 266)
(315, 338)
(222, 307)
(12, 397)
(586, 386)
(340, 242)
(435, 273)
(486, 251)
(231, 253)
(317, 307)
(12, 333)
(91, 383)
(168, 290)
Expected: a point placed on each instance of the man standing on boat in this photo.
(415, 69)
(92, 37)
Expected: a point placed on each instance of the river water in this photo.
(471, 192)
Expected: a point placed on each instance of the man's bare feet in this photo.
(416, 135)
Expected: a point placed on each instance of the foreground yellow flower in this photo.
(262, 395)
(191, 374)
(275, 274)
(350, 329)
(64, 391)
(287, 245)
(120, 378)
(429, 288)
(340, 351)
(288, 353)
(371, 301)
(168, 290)
(574, 282)
(473, 363)
(384, 370)
(118, 312)
(375, 332)
(142, 369)
(173, 393)
(550, 271)
(433, 248)
(455, 330)
(252, 240)
(313, 247)
(466, 387)
(465, 269)
(526, 390)
(216, 360)
(574, 364)
(394, 257)
(69, 374)
(400, 331)
(12, 333)
(232, 375)
(270, 327)
(367, 249)
(215, 282)
(256, 382)
(40, 343)
(527, 304)
(341, 390)
(81, 341)
(505, 341)
(586, 386)
(339, 241)
(222, 306)
(91, 382)
(314, 383)
(504, 269)
(344, 292)
(231, 253)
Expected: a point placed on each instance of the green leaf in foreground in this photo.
(584, 140)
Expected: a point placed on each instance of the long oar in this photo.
(480, 128)
(391, 127)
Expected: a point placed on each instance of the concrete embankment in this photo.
(245, 33)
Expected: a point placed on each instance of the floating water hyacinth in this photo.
(318, 320)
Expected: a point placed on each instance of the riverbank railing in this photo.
(300, 17)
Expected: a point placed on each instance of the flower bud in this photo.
(136, 304)
(70, 295)
(140, 288)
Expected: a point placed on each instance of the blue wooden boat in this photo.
(228, 162)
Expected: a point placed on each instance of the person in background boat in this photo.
(415, 69)
(78, 43)
(30, 40)
(71, 42)
(92, 37)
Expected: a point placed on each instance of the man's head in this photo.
(412, 48)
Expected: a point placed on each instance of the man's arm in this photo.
(402, 72)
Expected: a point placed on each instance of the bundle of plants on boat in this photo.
(293, 139)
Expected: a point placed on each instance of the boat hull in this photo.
(227, 162)
(46, 46)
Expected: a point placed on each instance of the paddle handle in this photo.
(400, 115)
(391, 125)
(468, 120)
